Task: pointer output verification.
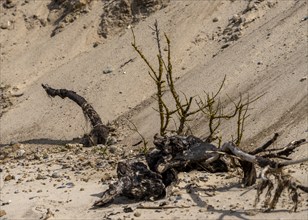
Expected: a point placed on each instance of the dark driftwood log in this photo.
(99, 132)
(135, 181)
(184, 154)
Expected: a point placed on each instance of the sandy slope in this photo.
(269, 57)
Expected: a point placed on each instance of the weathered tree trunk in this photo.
(99, 132)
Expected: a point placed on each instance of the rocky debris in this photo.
(33, 21)
(6, 25)
(5, 100)
(238, 22)
(137, 214)
(41, 177)
(121, 13)
(2, 213)
(9, 4)
(64, 12)
(107, 70)
(215, 19)
(9, 177)
(48, 215)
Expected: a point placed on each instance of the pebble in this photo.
(164, 203)
(215, 19)
(55, 175)
(9, 177)
(81, 189)
(41, 177)
(108, 70)
(137, 214)
(2, 213)
(112, 149)
(111, 141)
(210, 207)
(95, 44)
(127, 209)
(303, 79)
(225, 46)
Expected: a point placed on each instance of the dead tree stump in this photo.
(99, 132)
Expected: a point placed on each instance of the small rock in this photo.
(4, 26)
(20, 153)
(112, 149)
(9, 4)
(41, 177)
(303, 79)
(127, 209)
(55, 175)
(9, 177)
(2, 213)
(164, 203)
(210, 207)
(215, 19)
(111, 141)
(81, 189)
(137, 214)
(108, 70)
(71, 185)
(225, 46)
(95, 44)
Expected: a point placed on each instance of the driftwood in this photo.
(180, 153)
(135, 181)
(99, 132)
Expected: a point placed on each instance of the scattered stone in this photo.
(127, 209)
(81, 189)
(2, 213)
(9, 4)
(5, 25)
(215, 19)
(71, 185)
(55, 175)
(164, 203)
(303, 79)
(210, 207)
(48, 215)
(5, 203)
(20, 153)
(108, 70)
(225, 46)
(137, 214)
(41, 177)
(112, 149)
(95, 44)
(112, 141)
(9, 177)
(305, 18)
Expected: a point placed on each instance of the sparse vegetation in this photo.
(210, 105)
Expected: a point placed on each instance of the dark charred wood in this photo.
(99, 132)
(135, 181)
(250, 174)
(184, 154)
